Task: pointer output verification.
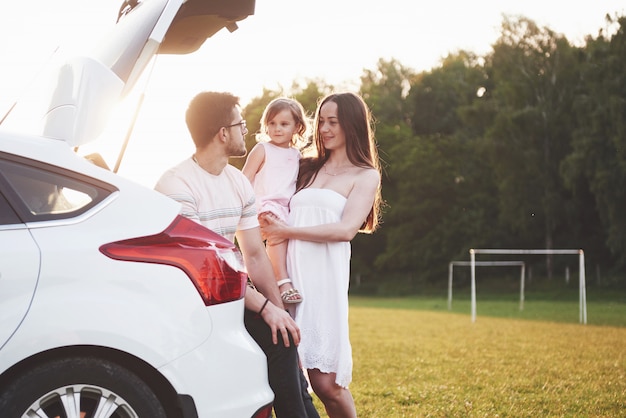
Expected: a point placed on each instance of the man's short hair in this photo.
(207, 113)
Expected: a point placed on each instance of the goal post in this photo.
(582, 293)
(488, 264)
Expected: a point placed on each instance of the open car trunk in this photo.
(78, 95)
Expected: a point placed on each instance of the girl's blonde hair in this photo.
(299, 115)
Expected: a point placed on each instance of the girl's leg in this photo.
(278, 257)
(337, 400)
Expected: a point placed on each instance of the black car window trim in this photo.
(8, 215)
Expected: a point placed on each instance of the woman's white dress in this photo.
(321, 272)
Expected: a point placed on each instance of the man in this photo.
(218, 196)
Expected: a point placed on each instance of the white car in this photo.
(111, 304)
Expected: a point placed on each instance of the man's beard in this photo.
(237, 151)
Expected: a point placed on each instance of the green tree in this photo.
(441, 202)
(384, 89)
(310, 94)
(438, 96)
(596, 167)
(534, 78)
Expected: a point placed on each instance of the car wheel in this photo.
(77, 388)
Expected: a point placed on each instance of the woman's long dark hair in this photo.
(356, 121)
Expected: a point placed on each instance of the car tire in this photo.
(78, 387)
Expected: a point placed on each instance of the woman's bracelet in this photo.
(264, 305)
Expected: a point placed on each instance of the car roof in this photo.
(79, 93)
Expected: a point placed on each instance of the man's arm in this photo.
(262, 276)
(258, 264)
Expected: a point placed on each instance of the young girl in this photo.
(272, 168)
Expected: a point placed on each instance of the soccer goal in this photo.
(581, 269)
(521, 264)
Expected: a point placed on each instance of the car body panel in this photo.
(239, 355)
(19, 272)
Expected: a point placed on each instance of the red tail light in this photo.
(213, 263)
(265, 412)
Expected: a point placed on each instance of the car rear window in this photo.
(38, 192)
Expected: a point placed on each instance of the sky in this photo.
(284, 41)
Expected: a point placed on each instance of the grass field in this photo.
(414, 358)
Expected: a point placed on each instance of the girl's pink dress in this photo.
(275, 182)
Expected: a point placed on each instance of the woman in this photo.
(338, 195)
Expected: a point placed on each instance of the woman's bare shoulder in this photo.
(364, 180)
(367, 174)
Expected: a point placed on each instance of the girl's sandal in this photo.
(291, 296)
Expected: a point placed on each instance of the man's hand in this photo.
(280, 321)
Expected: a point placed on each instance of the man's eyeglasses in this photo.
(242, 124)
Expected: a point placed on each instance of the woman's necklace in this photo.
(337, 173)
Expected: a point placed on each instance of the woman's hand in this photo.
(272, 228)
